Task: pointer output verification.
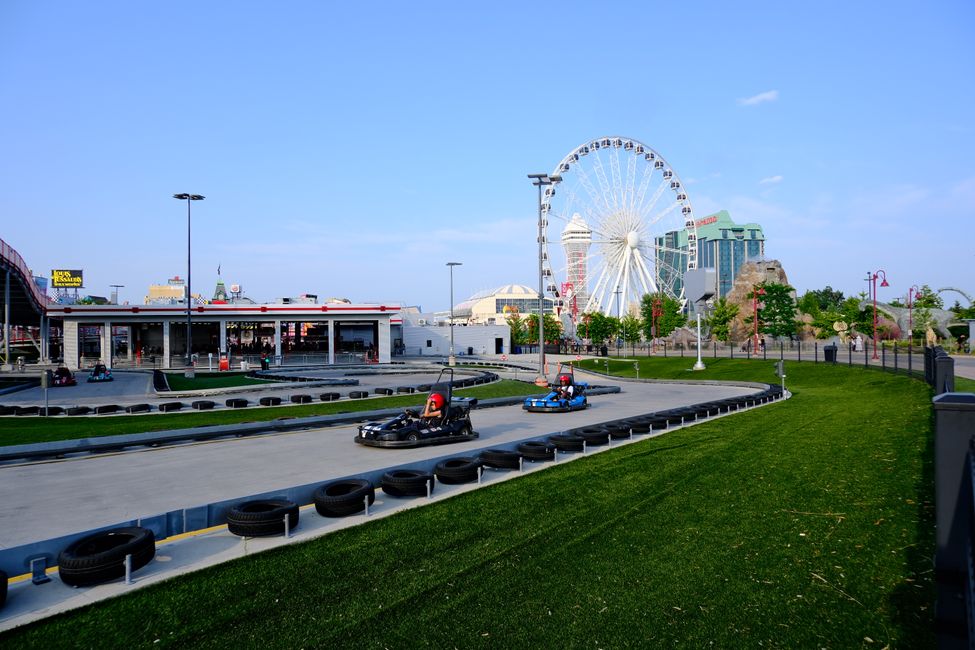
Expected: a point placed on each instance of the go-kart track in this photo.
(72, 495)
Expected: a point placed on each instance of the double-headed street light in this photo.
(189, 198)
(872, 280)
(451, 359)
(539, 180)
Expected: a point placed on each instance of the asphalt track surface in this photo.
(50, 499)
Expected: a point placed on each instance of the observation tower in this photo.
(576, 240)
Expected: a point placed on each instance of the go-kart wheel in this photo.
(413, 437)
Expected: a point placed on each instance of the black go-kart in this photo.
(409, 429)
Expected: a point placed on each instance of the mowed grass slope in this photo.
(807, 523)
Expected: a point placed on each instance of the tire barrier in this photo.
(78, 410)
(269, 401)
(262, 517)
(166, 407)
(358, 394)
(301, 399)
(384, 391)
(500, 459)
(593, 435)
(106, 408)
(407, 483)
(455, 471)
(536, 450)
(7, 410)
(423, 388)
(237, 402)
(329, 397)
(203, 404)
(50, 410)
(27, 410)
(138, 408)
(619, 431)
(343, 498)
(405, 389)
(100, 557)
(567, 442)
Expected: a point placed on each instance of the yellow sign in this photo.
(67, 278)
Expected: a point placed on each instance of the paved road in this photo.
(46, 500)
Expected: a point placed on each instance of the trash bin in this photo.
(224, 363)
(244, 365)
(829, 353)
(604, 351)
(470, 351)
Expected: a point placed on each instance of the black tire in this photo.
(344, 497)
(262, 517)
(100, 557)
(594, 436)
(405, 389)
(384, 391)
(567, 442)
(619, 431)
(358, 394)
(500, 458)
(166, 407)
(455, 471)
(536, 450)
(106, 408)
(50, 410)
(7, 410)
(79, 410)
(237, 402)
(269, 401)
(423, 388)
(27, 410)
(407, 483)
(138, 408)
(203, 404)
(301, 399)
(329, 397)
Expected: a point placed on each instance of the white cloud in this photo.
(771, 180)
(760, 98)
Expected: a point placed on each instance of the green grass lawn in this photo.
(204, 381)
(804, 524)
(23, 430)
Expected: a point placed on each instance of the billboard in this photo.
(65, 278)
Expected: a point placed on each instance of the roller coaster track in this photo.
(958, 291)
(32, 298)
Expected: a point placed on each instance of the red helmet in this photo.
(437, 400)
(565, 380)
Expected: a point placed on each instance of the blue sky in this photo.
(352, 149)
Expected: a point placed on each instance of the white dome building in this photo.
(493, 306)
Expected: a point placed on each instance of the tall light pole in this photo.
(539, 180)
(189, 198)
(619, 319)
(452, 360)
(912, 294)
(872, 279)
(756, 292)
(700, 364)
(115, 288)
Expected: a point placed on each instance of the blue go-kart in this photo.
(566, 395)
(100, 373)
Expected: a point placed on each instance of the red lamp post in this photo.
(912, 294)
(872, 279)
(756, 292)
(655, 313)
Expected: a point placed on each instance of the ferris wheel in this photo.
(626, 228)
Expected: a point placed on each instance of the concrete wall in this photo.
(480, 337)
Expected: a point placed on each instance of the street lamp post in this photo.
(189, 198)
(912, 294)
(700, 364)
(451, 359)
(756, 292)
(619, 318)
(539, 180)
(656, 311)
(872, 279)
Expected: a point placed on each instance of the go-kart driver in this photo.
(433, 410)
(566, 390)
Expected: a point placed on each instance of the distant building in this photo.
(576, 241)
(722, 245)
(492, 307)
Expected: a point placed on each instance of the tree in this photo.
(671, 317)
(820, 300)
(553, 328)
(517, 325)
(778, 316)
(631, 328)
(719, 320)
(597, 327)
(928, 298)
